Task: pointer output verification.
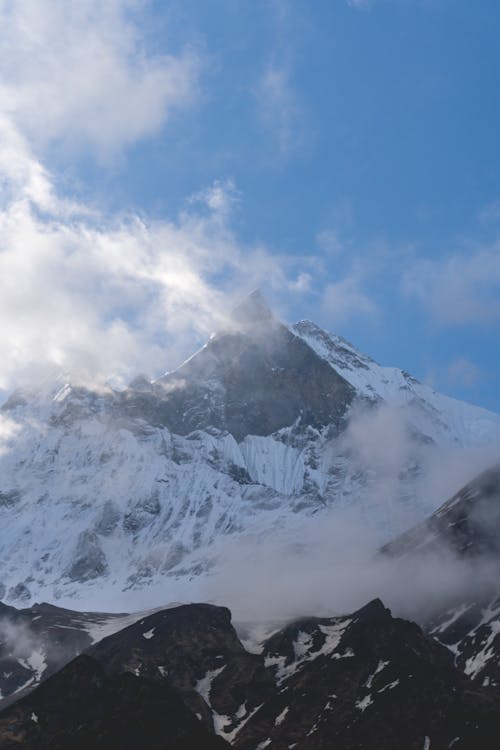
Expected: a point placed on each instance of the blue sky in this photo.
(162, 158)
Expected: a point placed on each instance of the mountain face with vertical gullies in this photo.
(107, 495)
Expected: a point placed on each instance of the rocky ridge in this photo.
(106, 495)
(180, 678)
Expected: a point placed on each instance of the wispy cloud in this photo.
(463, 372)
(98, 296)
(490, 213)
(460, 288)
(278, 108)
(359, 3)
(329, 242)
(346, 299)
(80, 74)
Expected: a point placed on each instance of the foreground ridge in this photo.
(181, 678)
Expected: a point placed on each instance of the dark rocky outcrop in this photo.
(191, 645)
(37, 641)
(254, 378)
(367, 681)
(180, 677)
(464, 532)
(82, 707)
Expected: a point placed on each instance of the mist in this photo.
(336, 567)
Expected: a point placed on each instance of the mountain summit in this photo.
(253, 309)
(104, 493)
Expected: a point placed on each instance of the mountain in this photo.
(180, 678)
(35, 642)
(121, 499)
(82, 707)
(463, 535)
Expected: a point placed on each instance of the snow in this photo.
(281, 717)
(389, 686)
(273, 464)
(36, 663)
(380, 666)
(101, 507)
(447, 420)
(333, 635)
(103, 626)
(149, 634)
(34, 717)
(455, 614)
(241, 717)
(363, 704)
(303, 653)
(476, 663)
(302, 644)
(204, 685)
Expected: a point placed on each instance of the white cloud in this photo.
(490, 213)
(464, 372)
(461, 288)
(359, 3)
(78, 73)
(109, 296)
(100, 297)
(329, 242)
(278, 108)
(345, 299)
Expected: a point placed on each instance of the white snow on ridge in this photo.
(101, 506)
(445, 419)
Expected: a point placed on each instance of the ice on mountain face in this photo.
(98, 491)
(274, 464)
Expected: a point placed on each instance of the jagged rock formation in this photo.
(465, 533)
(82, 707)
(181, 679)
(37, 641)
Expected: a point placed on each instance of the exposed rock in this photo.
(90, 561)
(82, 707)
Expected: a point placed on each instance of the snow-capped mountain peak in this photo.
(104, 491)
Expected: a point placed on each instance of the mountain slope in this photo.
(106, 494)
(464, 533)
(180, 678)
(82, 707)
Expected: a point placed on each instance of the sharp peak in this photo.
(254, 308)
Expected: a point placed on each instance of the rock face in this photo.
(37, 641)
(106, 494)
(468, 524)
(255, 379)
(180, 678)
(196, 648)
(82, 707)
(367, 681)
(467, 529)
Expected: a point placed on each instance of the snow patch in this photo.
(204, 685)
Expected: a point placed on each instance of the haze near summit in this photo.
(158, 162)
